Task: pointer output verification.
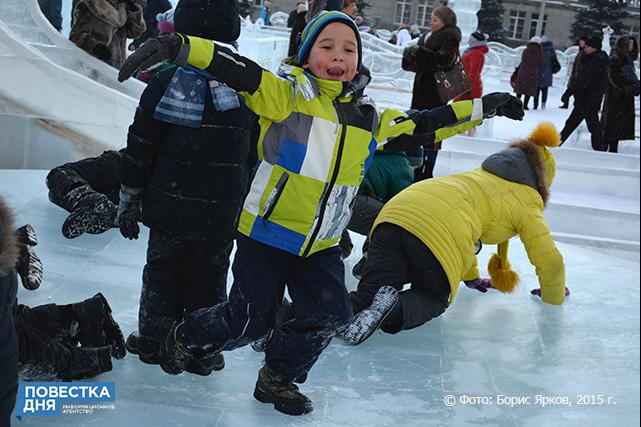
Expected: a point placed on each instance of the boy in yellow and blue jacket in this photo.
(317, 139)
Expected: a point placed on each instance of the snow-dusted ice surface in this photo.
(488, 346)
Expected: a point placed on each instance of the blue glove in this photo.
(129, 212)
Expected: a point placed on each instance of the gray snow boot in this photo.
(365, 323)
(92, 213)
(272, 387)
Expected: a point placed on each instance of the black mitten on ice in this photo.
(102, 52)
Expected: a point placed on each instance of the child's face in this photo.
(334, 55)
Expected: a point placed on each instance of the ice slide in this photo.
(56, 101)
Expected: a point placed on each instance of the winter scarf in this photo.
(183, 102)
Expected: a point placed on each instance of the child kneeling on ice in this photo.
(429, 235)
(317, 139)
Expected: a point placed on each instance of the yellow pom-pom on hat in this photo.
(503, 277)
(545, 134)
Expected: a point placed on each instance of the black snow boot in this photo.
(97, 327)
(92, 213)
(272, 387)
(87, 363)
(29, 266)
(206, 364)
(147, 349)
(365, 323)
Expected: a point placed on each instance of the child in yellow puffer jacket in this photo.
(429, 235)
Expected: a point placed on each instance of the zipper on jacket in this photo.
(332, 181)
(273, 198)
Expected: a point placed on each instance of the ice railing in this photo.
(384, 59)
(29, 25)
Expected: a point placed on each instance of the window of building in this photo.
(403, 12)
(517, 23)
(535, 22)
(423, 17)
(634, 31)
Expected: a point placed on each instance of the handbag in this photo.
(409, 58)
(555, 64)
(453, 82)
(513, 77)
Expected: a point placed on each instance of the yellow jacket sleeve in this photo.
(265, 94)
(544, 255)
(437, 124)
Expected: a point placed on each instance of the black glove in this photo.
(102, 52)
(129, 212)
(502, 104)
(29, 265)
(174, 355)
(165, 48)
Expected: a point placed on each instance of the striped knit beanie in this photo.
(316, 26)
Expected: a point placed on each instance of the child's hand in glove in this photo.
(129, 212)
(480, 284)
(168, 48)
(502, 104)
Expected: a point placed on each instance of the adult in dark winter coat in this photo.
(102, 27)
(545, 72)
(588, 89)
(473, 61)
(618, 107)
(186, 165)
(52, 10)
(152, 8)
(8, 290)
(527, 79)
(437, 51)
(565, 98)
(298, 25)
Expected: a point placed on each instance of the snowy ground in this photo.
(484, 346)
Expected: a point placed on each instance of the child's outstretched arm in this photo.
(265, 94)
(443, 122)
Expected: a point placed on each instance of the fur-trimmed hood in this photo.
(521, 162)
(8, 243)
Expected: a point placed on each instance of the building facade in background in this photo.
(520, 20)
